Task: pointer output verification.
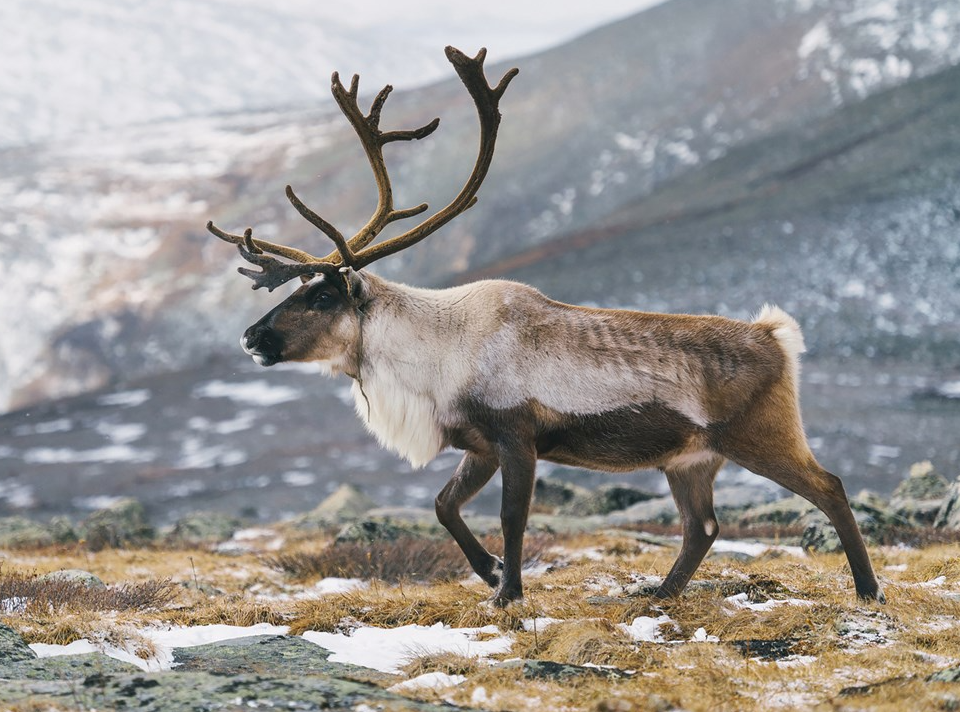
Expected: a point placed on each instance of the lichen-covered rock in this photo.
(552, 495)
(62, 530)
(659, 510)
(820, 536)
(345, 504)
(919, 497)
(367, 531)
(199, 528)
(605, 499)
(13, 647)
(948, 516)
(124, 523)
(84, 578)
(549, 670)
(17, 532)
(790, 510)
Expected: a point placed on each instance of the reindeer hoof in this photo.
(876, 596)
(505, 596)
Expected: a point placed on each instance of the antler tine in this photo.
(486, 99)
(367, 128)
(291, 253)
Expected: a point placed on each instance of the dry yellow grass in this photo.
(833, 652)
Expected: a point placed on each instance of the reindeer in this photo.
(509, 376)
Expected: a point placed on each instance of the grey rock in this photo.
(820, 536)
(659, 510)
(12, 647)
(605, 499)
(199, 528)
(371, 529)
(345, 504)
(923, 482)
(79, 576)
(552, 494)
(121, 524)
(62, 530)
(192, 691)
(17, 532)
(948, 516)
(549, 670)
(947, 675)
(790, 510)
(269, 655)
(62, 668)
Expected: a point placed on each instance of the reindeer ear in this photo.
(304, 278)
(355, 286)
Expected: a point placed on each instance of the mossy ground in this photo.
(823, 654)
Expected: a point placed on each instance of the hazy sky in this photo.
(515, 26)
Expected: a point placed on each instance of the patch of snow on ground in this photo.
(333, 584)
(647, 629)
(429, 681)
(164, 640)
(126, 399)
(259, 392)
(60, 425)
(388, 649)
(532, 624)
(65, 456)
(742, 600)
(17, 494)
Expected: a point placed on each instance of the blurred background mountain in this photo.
(694, 157)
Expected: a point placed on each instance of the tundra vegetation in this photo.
(765, 624)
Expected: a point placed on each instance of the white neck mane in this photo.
(409, 379)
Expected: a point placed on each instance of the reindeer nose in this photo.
(263, 343)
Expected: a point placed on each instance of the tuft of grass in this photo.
(406, 559)
(449, 663)
(453, 604)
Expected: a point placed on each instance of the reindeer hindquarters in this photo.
(769, 441)
(473, 472)
(692, 488)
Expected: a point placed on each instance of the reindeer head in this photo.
(320, 321)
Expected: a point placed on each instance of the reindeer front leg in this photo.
(473, 472)
(518, 462)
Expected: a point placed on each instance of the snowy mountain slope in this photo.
(70, 67)
(108, 273)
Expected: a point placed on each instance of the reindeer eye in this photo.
(323, 300)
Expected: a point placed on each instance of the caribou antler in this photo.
(357, 252)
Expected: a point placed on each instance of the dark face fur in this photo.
(315, 323)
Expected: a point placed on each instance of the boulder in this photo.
(345, 504)
(659, 510)
(603, 500)
(551, 495)
(199, 528)
(948, 516)
(13, 647)
(918, 498)
(18, 532)
(781, 512)
(124, 523)
(79, 576)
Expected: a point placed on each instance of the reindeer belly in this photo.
(635, 436)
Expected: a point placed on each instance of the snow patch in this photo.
(388, 649)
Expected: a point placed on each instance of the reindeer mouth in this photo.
(263, 351)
